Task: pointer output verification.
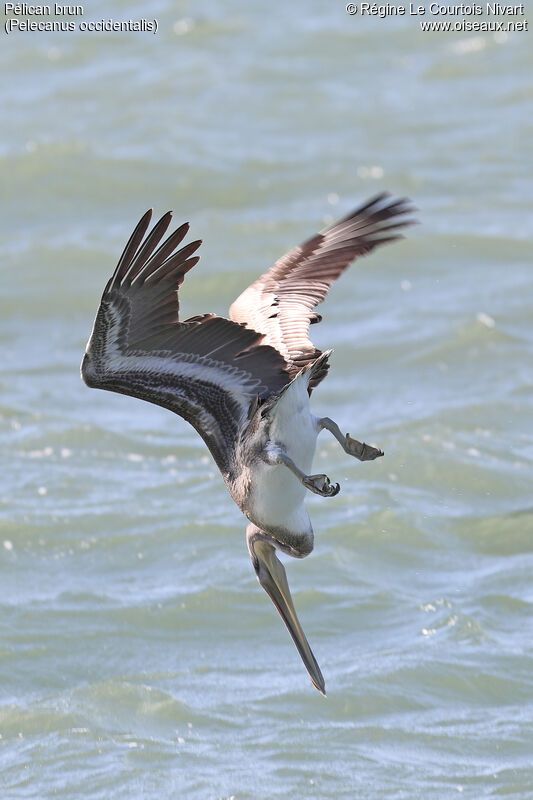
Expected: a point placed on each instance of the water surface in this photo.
(139, 658)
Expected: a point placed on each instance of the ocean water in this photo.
(139, 658)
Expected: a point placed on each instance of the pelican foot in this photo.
(321, 484)
(361, 450)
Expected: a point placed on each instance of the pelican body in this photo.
(244, 383)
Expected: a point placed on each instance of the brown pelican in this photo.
(244, 382)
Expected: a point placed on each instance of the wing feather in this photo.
(207, 369)
(280, 304)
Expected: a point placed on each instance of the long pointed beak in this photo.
(272, 577)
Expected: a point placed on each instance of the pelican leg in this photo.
(272, 577)
(361, 450)
(319, 484)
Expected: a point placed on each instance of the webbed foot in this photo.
(361, 450)
(321, 484)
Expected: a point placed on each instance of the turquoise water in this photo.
(138, 657)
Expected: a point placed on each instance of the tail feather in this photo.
(313, 373)
(317, 369)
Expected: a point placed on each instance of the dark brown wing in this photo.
(207, 369)
(281, 303)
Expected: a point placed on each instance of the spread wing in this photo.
(281, 303)
(206, 369)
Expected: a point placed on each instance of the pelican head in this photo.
(273, 578)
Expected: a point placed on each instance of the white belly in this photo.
(294, 426)
(278, 495)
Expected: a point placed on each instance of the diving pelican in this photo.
(243, 383)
